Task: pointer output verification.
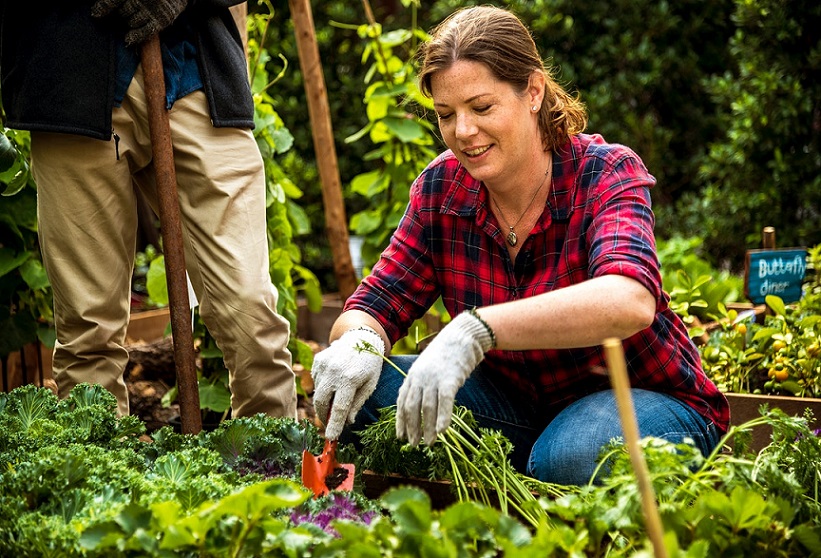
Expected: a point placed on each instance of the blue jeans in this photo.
(559, 447)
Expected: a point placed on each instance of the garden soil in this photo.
(150, 374)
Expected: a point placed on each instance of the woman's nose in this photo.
(465, 126)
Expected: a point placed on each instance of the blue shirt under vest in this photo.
(179, 59)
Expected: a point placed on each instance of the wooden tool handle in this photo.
(171, 228)
(614, 354)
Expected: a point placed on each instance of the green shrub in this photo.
(696, 288)
(25, 291)
(765, 169)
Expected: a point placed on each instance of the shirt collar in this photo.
(467, 197)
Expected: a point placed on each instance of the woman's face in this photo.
(488, 125)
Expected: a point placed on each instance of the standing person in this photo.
(71, 74)
(539, 240)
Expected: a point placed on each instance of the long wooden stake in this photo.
(336, 223)
(171, 229)
(614, 354)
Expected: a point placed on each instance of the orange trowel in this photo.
(323, 473)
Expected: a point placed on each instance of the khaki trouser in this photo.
(87, 215)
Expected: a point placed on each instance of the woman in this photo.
(539, 239)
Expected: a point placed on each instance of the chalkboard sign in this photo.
(775, 272)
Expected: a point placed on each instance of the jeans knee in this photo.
(574, 465)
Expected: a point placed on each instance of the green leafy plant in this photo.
(686, 299)
(144, 274)
(403, 141)
(724, 504)
(25, 292)
(14, 160)
(811, 297)
(76, 480)
(782, 356)
(697, 289)
(286, 219)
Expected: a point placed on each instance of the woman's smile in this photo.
(476, 151)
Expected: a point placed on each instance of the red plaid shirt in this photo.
(597, 221)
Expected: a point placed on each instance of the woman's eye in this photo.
(478, 110)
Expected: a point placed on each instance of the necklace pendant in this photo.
(512, 239)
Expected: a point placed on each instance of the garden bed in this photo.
(374, 485)
(79, 481)
(745, 407)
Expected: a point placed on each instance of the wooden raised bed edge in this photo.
(745, 407)
(375, 484)
(148, 325)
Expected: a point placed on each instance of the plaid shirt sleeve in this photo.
(620, 235)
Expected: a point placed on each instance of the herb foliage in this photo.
(75, 480)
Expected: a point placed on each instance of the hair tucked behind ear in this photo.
(497, 38)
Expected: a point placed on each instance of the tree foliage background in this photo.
(722, 100)
(764, 167)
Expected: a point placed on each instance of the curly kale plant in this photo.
(75, 478)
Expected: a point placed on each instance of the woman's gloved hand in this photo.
(429, 390)
(144, 18)
(346, 375)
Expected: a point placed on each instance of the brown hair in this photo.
(499, 40)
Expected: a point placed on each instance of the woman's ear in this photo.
(536, 88)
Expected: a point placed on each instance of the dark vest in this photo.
(58, 66)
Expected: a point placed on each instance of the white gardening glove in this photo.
(437, 374)
(346, 375)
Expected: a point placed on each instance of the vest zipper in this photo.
(116, 143)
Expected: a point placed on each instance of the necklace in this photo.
(512, 237)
